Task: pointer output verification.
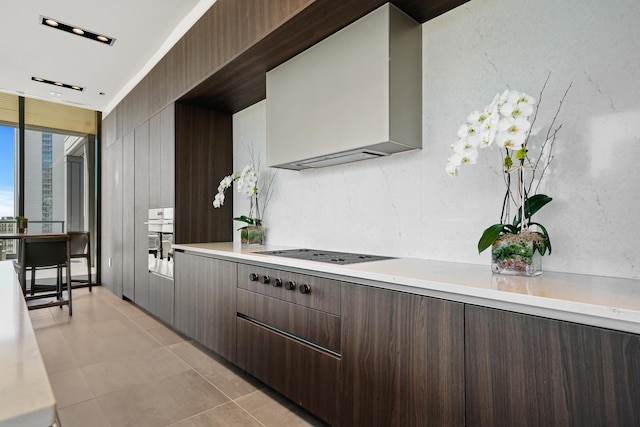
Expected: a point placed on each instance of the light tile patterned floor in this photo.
(111, 364)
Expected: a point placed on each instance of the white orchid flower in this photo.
(512, 142)
(451, 169)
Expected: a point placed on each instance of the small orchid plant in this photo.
(507, 121)
(247, 184)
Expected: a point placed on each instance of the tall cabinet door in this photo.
(402, 359)
(128, 216)
(167, 156)
(141, 214)
(529, 371)
(111, 275)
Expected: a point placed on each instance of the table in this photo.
(27, 397)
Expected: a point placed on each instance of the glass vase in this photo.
(514, 257)
(252, 235)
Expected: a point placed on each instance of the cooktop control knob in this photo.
(265, 279)
(305, 289)
(277, 282)
(253, 277)
(290, 285)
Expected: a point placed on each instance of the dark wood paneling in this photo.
(311, 325)
(205, 302)
(155, 190)
(402, 359)
(307, 376)
(128, 215)
(161, 297)
(167, 156)
(109, 130)
(141, 215)
(241, 82)
(204, 155)
(111, 225)
(528, 371)
(220, 62)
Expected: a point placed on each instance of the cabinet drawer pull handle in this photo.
(253, 277)
(290, 285)
(277, 282)
(265, 279)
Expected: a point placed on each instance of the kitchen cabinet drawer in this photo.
(307, 376)
(324, 294)
(314, 326)
(529, 371)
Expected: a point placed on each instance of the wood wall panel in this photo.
(204, 155)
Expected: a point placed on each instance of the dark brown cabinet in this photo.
(402, 359)
(529, 371)
(111, 225)
(141, 214)
(128, 215)
(291, 340)
(205, 301)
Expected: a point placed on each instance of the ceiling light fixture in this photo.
(58, 84)
(73, 29)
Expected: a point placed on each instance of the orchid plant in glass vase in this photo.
(247, 184)
(517, 241)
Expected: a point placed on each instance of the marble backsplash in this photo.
(406, 205)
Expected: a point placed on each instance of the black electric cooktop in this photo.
(324, 256)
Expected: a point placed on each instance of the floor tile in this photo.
(58, 358)
(166, 336)
(112, 364)
(161, 402)
(113, 375)
(83, 414)
(146, 321)
(70, 387)
(227, 415)
(273, 410)
(107, 340)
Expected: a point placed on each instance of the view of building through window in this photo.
(44, 181)
(53, 181)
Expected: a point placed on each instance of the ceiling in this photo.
(144, 30)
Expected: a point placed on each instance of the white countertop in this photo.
(592, 300)
(27, 398)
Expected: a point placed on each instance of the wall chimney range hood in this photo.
(356, 95)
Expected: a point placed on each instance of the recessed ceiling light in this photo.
(58, 84)
(74, 29)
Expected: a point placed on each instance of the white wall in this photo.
(405, 205)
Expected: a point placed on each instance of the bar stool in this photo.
(44, 252)
(80, 247)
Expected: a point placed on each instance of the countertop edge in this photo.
(428, 281)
